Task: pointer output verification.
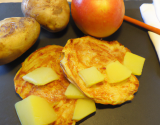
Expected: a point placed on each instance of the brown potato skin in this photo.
(52, 15)
(17, 35)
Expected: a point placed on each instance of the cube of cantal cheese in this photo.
(72, 92)
(83, 108)
(35, 110)
(117, 72)
(91, 76)
(41, 76)
(134, 63)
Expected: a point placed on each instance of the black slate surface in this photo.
(144, 109)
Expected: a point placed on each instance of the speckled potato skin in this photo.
(17, 35)
(52, 15)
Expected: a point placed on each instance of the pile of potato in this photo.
(18, 34)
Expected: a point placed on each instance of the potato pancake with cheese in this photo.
(86, 52)
(48, 56)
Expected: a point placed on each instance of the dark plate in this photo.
(144, 109)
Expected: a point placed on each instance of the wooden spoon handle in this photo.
(141, 24)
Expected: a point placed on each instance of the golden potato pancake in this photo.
(85, 52)
(48, 56)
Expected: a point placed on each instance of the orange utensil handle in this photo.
(141, 24)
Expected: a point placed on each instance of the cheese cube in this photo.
(134, 63)
(117, 72)
(35, 110)
(91, 76)
(83, 108)
(41, 76)
(73, 92)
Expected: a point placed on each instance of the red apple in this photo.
(98, 18)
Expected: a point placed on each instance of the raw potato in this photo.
(53, 15)
(17, 35)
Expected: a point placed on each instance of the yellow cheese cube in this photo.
(41, 76)
(83, 108)
(73, 92)
(91, 76)
(117, 72)
(134, 63)
(35, 110)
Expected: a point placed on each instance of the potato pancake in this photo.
(85, 52)
(48, 56)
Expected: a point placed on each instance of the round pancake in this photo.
(48, 56)
(85, 52)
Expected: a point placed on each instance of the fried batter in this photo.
(48, 56)
(86, 52)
